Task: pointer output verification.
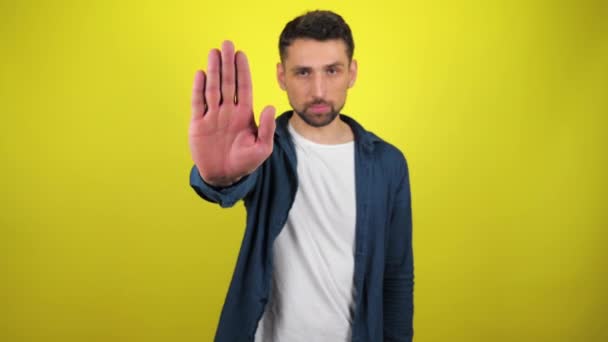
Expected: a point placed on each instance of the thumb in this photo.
(267, 126)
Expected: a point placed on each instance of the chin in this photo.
(317, 120)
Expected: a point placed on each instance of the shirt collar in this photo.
(363, 137)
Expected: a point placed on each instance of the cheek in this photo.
(294, 99)
(339, 91)
(340, 84)
(296, 94)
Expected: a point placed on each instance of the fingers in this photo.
(198, 96)
(243, 83)
(228, 73)
(267, 126)
(212, 88)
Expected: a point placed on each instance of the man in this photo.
(327, 252)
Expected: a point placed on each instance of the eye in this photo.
(332, 71)
(302, 72)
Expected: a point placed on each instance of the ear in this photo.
(352, 73)
(281, 75)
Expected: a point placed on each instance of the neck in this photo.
(336, 132)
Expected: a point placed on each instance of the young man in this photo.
(327, 252)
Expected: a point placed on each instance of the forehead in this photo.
(310, 52)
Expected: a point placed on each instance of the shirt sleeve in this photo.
(225, 196)
(398, 288)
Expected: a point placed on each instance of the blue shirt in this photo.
(384, 265)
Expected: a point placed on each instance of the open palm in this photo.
(225, 142)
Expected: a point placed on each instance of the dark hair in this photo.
(317, 25)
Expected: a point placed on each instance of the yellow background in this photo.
(500, 106)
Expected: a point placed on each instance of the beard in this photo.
(317, 119)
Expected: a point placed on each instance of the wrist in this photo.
(221, 182)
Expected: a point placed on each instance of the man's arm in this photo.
(225, 196)
(398, 301)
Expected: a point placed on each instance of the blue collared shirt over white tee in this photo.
(383, 254)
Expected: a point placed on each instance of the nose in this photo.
(319, 86)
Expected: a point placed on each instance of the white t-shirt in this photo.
(312, 292)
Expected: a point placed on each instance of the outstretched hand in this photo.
(225, 142)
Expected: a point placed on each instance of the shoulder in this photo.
(390, 165)
(388, 154)
(384, 154)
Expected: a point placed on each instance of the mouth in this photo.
(319, 108)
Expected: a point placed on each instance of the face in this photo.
(316, 76)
